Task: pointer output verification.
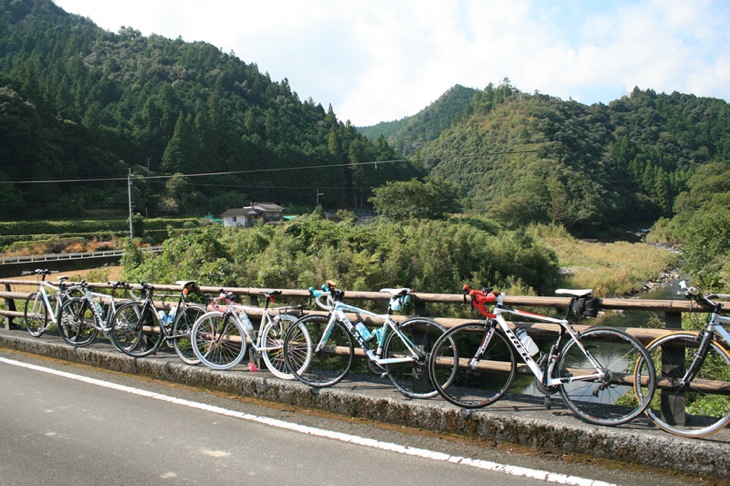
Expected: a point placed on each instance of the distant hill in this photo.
(409, 134)
(79, 102)
(535, 158)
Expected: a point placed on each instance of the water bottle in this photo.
(171, 315)
(527, 341)
(363, 331)
(247, 325)
(163, 317)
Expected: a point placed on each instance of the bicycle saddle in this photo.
(574, 292)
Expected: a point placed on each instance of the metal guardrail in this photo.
(71, 256)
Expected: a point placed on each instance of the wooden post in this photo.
(10, 306)
(673, 404)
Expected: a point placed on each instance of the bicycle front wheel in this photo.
(136, 331)
(181, 331)
(613, 398)
(315, 355)
(77, 322)
(273, 346)
(218, 340)
(692, 411)
(35, 314)
(467, 370)
(411, 377)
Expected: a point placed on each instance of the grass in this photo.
(610, 269)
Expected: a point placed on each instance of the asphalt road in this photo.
(69, 424)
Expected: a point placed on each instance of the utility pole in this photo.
(129, 198)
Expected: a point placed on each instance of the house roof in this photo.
(267, 206)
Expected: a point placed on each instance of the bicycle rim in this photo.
(273, 346)
(136, 331)
(181, 333)
(411, 378)
(77, 322)
(35, 314)
(218, 341)
(613, 399)
(467, 377)
(318, 368)
(694, 411)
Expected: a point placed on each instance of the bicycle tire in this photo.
(479, 378)
(136, 330)
(704, 413)
(412, 378)
(35, 314)
(218, 340)
(614, 399)
(273, 346)
(181, 330)
(77, 324)
(327, 366)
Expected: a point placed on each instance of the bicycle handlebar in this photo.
(480, 299)
(705, 300)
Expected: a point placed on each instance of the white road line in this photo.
(329, 434)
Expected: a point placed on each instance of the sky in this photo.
(382, 60)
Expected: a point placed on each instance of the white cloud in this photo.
(377, 60)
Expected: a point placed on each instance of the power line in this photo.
(267, 170)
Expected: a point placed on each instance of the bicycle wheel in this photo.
(136, 330)
(35, 314)
(77, 322)
(700, 412)
(330, 359)
(218, 340)
(479, 375)
(411, 377)
(273, 346)
(612, 399)
(181, 330)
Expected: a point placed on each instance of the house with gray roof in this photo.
(251, 215)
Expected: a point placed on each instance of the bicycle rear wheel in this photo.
(315, 361)
(218, 340)
(693, 411)
(77, 322)
(181, 330)
(612, 399)
(467, 374)
(411, 378)
(35, 314)
(136, 330)
(273, 346)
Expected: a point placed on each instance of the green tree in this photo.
(404, 200)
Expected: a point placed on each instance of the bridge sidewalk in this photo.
(518, 419)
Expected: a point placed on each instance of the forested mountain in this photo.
(79, 102)
(526, 158)
(410, 133)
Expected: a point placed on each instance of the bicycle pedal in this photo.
(384, 374)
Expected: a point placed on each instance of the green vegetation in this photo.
(78, 102)
(429, 256)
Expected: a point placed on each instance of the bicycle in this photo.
(87, 316)
(220, 338)
(139, 329)
(595, 371)
(46, 303)
(694, 376)
(399, 351)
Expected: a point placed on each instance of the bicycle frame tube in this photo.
(544, 377)
(716, 325)
(338, 314)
